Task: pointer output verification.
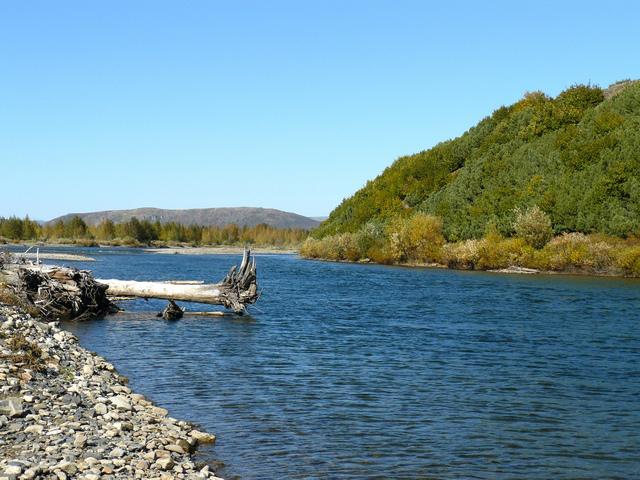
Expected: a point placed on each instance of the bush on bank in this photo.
(418, 239)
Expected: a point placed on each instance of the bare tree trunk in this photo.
(235, 291)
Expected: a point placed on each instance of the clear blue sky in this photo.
(289, 105)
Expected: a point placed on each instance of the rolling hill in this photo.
(241, 216)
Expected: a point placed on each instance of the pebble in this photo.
(117, 452)
(80, 441)
(165, 463)
(121, 402)
(12, 407)
(202, 437)
(13, 470)
(75, 418)
(37, 429)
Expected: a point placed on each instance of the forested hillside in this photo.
(575, 156)
(547, 183)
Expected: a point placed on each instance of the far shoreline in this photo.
(234, 250)
(511, 270)
(221, 250)
(169, 250)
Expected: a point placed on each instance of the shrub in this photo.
(370, 236)
(347, 247)
(495, 252)
(564, 251)
(381, 254)
(463, 255)
(533, 226)
(25, 353)
(85, 242)
(423, 236)
(417, 238)
(576, 251)
(310, 248)
(332, 247)
(491, 252)
(628, 259)
(127, 242)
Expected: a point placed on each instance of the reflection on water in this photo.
(361, 371)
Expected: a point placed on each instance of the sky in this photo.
(281, 104)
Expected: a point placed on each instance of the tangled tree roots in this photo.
(56, 292)
(69, 293)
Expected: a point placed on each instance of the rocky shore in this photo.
(66, 413)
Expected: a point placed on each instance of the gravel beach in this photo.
(66, 413)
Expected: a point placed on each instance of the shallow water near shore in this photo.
(366, 371)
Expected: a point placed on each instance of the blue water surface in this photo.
(365, 371)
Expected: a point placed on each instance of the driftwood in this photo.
(237, 290)
(61, 292)
(171, 311)
(55, 292)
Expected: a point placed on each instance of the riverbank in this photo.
(164, 249)
(66, 413)
(222, 250)
(510, 270)
(69, 257)
(570, 253)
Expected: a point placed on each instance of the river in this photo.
(365, 371)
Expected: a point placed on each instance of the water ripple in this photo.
(362, 371)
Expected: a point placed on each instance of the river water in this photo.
(365, 371)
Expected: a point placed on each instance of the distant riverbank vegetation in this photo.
(546, 183)
(138, 233)
(419, 240)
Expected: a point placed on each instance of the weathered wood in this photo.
(53, 291)
(70, 293)
(235, 291)
(206, 314)
(171, 311)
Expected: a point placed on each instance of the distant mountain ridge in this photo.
(242, 216)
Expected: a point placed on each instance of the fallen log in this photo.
(235, 291)
(61, 292)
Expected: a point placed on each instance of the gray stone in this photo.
(123, 426)
(13, 470)
(186, 446)
(117, 453)
(165, 463)
(202, 437)
(68, 467)
(37, 429)
(84, 423)
(80, 441)
(176, 448)
(60, 474)
(30, 473)
(11, 407)
(121, 402)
